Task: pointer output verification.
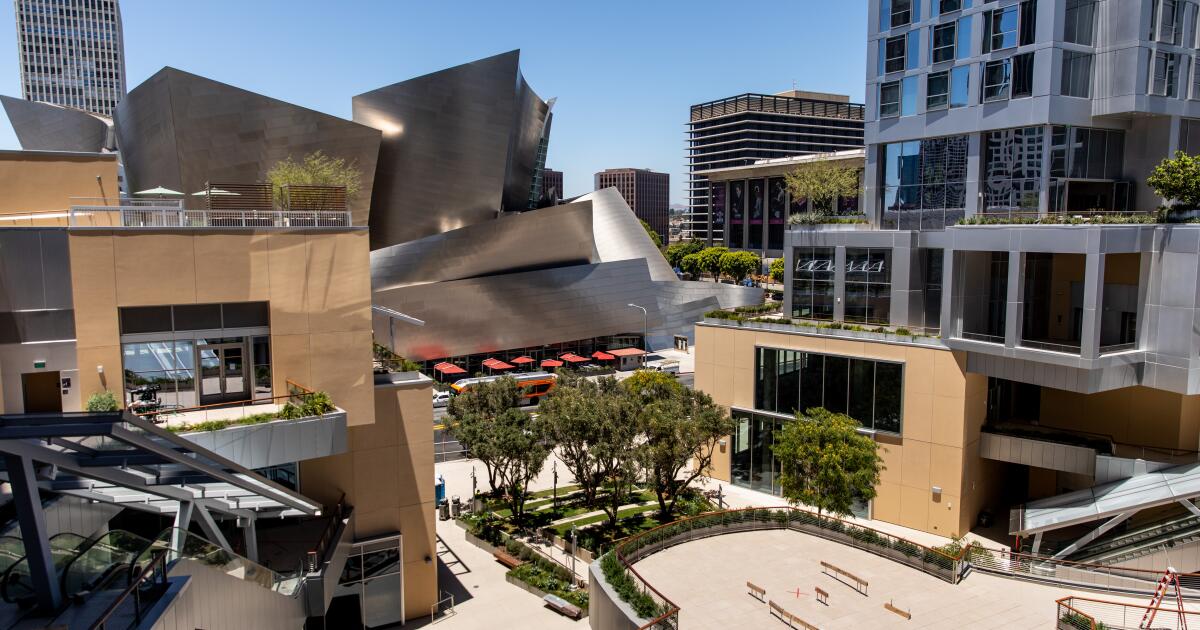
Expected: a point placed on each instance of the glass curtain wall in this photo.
(1086, 166)
(812, 283)
(870, 391)
(924, 183)
(1013, 169)
(868, 285)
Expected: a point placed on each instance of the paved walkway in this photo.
(707, 579)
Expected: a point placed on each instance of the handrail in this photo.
(155, 570)
(1093, 611)
(301, 394)
(316, 555)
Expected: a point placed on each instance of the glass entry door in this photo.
(222, 372)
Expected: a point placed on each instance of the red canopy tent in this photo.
(522, 360)
(627, 352)
(448, 369)
(551, 363)
(496, 364)
(602, 356)
(573, 358)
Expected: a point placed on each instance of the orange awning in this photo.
(551, 363)
(449, 368)
(522, 360)
(496, 364)
(603, 356)
(627, 352)
(573, 358)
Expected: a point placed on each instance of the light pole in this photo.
(645, 327)
(554, 503)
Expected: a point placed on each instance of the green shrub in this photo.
(101, 402)
(621, 582)
(755, 309)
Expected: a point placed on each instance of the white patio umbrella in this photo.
(215, 192)
(158, 191)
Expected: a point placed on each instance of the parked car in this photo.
(441, 399)
(670, 366)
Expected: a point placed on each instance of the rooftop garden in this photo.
(748, 317)
(305, 405)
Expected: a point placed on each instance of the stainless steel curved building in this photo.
(46, 127)
(459, 145)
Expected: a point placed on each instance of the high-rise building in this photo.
(72, 53)
(552, 184)
(646, 191)
(740, 130)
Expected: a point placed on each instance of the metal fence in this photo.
(1082, 613)
(178, 217)
(1077, 574)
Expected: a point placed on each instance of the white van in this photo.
(670, 366)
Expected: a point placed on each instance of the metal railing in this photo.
(984, 337)
(144, 590)
(1077, 574)
(179, 217)
(228, 411)
(629, 551)
(316, 556)
(1066, 348)
(1083, 613)
(1118, 347)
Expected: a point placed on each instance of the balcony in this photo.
(237, 206)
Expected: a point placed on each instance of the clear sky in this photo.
(624, 72)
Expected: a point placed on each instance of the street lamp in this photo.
(645, 327)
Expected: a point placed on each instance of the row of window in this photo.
(897, 13)
(868, 284)
(787, 381)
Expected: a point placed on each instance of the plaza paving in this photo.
(707, 579)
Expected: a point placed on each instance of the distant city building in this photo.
(72, 53)
(740, 130)
(552, 184)
(646, 191)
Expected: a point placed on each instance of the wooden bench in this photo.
(822, 596)
(860, 584)
(903, 613)
(757, 592)
(507, 559)
(562, 606)
(791, 620)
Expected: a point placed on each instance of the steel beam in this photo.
(32, 520)
(1094, 534)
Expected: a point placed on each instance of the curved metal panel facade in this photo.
(459, 145)
(45, 127)
(620, 235)
(180, 130)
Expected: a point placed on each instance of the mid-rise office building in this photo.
(1042, 379)
(741, 130)
(552, 185)
(72, 53)
(647, 192)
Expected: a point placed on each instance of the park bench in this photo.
(562, 606)
(860, 584)
(822, 596)
(507, 559)
(757, 592)
(903, 613)
(791, 620)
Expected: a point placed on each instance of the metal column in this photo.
(33, 531)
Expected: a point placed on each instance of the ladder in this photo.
(1160, 590)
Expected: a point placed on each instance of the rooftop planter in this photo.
(833, 329)
(834, 222)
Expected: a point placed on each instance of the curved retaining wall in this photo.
(606, 611)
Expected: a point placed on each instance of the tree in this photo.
(677, 251)
(316, 169)
(654, 237)
(473, 415)
(825, 462)
(821, 183)
(647, 386)
(710, 260)
(777, 267)
(681, 433)
(572, 421)
(738, 265)
(520, 448)
(690, 264)
(616, 445)
(1178, 179)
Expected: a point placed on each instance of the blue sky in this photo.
(624, 72)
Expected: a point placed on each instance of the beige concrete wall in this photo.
(40, 182)
(388, 476)
(1133, 415)
(944, 408)
(318, 286)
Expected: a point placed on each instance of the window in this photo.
(1076, 74)
(931, 261)
(788, 381)
(889, 99)
(1167, 21)
(1080, 22)
(1000, 28)
(943, 42)
(1189, 136)
(868, 285)
(947, 6)
(960, 87)
(902, 12)
(923, 183)
(908, 98)
(997, 80)
(963, 46)
(895, 50)
(913, 55)
(812, 283)
(1028, 34)
(937, 91)
(1195, 78)
(1022, 75)
(1013, 169)
(1163, 76)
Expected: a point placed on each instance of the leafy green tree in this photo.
(473, 415)
(690, 264)
(616, 444)
(825, 462)
(573, 422)
(710, 260)
(739, 265)
(316, 169)
(654, 237)
(677, 251)
(1178, 179)
(647, 386)
(822, 182)
(520, 447)
(777, 267)
(680, 434)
